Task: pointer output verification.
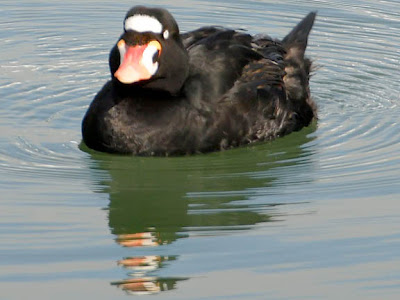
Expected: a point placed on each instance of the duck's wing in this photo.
(279, 82)
(217, 57)
(283, 72)
(192, 37)
(230, 65)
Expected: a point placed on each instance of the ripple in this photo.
(358, 155)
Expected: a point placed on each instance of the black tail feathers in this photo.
(298, 68)
(296, 40)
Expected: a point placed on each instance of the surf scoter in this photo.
(206, 90)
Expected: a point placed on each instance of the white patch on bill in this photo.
(143, 23)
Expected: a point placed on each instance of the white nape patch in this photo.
(147, 59)
(143, 23)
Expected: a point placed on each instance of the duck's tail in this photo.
(295, 42)
(298, 68)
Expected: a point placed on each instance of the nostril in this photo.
(155, 56)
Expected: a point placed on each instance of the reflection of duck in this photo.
(149, 208)
(149, 201)
(147, 285)
(140, 284)
(157, 201)
(209, 89)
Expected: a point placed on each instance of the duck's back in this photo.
(217, 58)
(261, 85)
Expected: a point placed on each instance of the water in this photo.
(312, 215)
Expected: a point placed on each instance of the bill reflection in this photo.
(139, 267)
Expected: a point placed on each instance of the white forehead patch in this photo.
(143, 23)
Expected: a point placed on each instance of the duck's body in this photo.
(201, 91)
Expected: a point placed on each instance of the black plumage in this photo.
(214, 88)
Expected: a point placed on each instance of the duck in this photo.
(210, 89)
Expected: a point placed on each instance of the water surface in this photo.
(312, 215)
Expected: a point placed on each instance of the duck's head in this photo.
(150, 53)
